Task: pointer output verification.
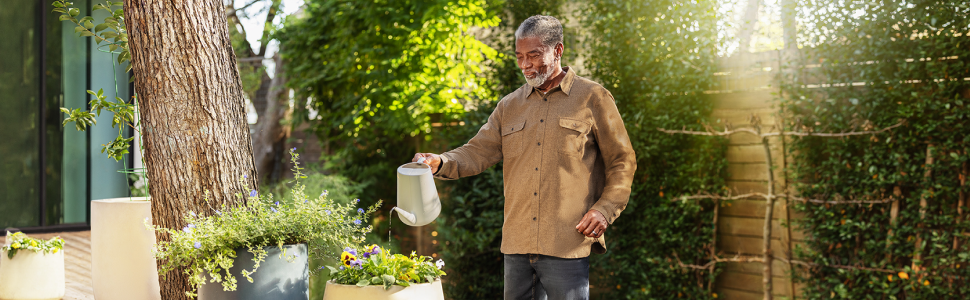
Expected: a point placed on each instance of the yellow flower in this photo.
(15, 245)
(33, 243)
(890, 278)
(55, 251)
(903, 275)
(347, 258)
(926, 282)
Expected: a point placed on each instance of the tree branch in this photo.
(754, 132)
(762, 195)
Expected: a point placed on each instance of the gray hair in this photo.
(546, 28)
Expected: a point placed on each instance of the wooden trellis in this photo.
(767, 256)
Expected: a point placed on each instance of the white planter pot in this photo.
(122, 264)
(423, 291)
(32, 275)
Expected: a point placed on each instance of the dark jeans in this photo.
(535, 276)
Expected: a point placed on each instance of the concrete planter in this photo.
(122, 264)
(423, 291)
(277, 278)
(32, 276)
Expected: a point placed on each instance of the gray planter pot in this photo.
(276, 277)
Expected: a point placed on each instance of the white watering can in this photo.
(417, 197)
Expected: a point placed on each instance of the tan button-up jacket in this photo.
(564, 153)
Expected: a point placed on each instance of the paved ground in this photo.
(77, 263)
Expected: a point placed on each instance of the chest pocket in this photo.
(573, 134)
(513, 140)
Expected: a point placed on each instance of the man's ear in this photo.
(559, 49)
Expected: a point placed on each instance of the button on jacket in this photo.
(564, 153)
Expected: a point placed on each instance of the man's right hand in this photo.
(430, 159)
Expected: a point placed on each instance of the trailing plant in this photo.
(21, 242)
(657, 58)
(900, 60)
(207, 246)
(114, 35)
(376, 266)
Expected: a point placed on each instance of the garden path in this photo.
(77, 263)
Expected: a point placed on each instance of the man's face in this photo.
(536, 61)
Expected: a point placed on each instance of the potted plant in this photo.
(267, 241)
(373, 273)
(31, 268)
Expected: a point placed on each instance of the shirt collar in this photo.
(565, 85)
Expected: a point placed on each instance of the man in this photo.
(568, 168)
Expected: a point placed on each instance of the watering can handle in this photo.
(421, 160)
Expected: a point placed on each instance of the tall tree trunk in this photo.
(195, 132)
(269, 131)
(748, 25)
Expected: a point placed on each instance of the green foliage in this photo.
(208, 245)
(18, 241)
(657, 57)
(897, 61)
(376, 266)
(375, 73)
(117, 41)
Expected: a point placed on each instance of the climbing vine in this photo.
(868, 65)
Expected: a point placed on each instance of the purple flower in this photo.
(188, 228)
(357, 222)
(357, 263)
(218, 212)
(273, 209)
(277, 203)
(328, 211)
(198, 245)
(360, 210)
(357, 200)
(325, 192)
(245, 176)
(252, 193)
(192, 213)
(341, 268)
(351, 251)
(191, 226)
(293, 149)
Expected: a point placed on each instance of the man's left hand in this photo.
(593, 224)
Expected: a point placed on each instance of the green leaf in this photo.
(376, 280)
(363, 282)
(100, 27)
(78, 29)
(64, 17)
(87, 33)
(74, 12)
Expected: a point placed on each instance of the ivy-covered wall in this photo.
(657, 58)
(866, 66)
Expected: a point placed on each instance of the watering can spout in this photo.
(409, 217)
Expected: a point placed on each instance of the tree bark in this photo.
(269, 130)
(194, 125)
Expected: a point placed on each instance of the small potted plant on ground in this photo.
(266, 241)
(373, 273)
(31, 268)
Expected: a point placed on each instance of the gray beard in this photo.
(541, 78)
